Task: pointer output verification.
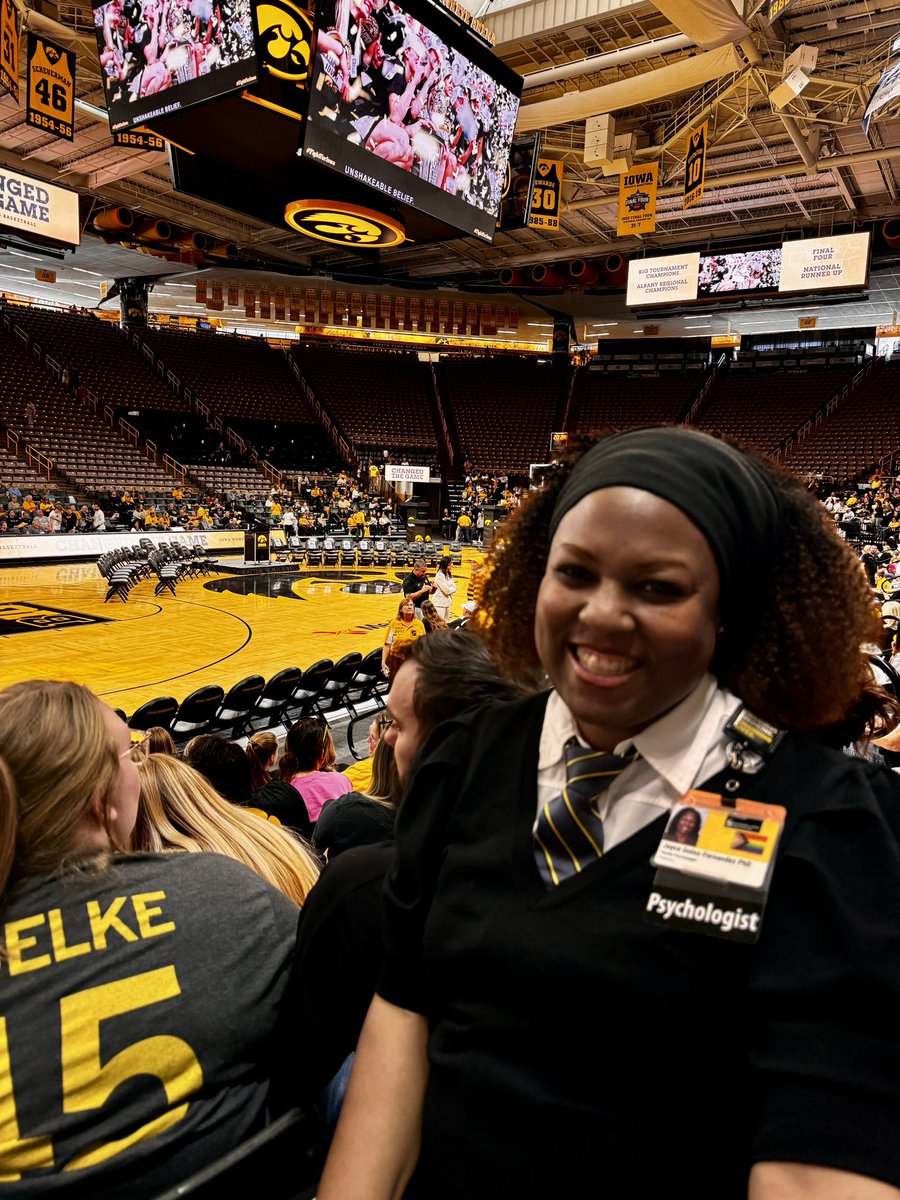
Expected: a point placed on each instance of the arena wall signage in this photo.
(406, 474)
(662, 280)
(841, 261)
(36, 207)
(85, 545)
(811, 265)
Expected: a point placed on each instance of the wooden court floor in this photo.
(54, 624)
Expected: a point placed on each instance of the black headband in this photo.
(730, 496)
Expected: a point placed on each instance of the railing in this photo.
(109, 415)
(38, 462)
(175, 468)
(271, 473)
(339, 442)
(704, 391)
(235, 439)
(52, 366)
(34, 458)
(840, 397)
(569, 395)
(440, 407)
(131, 432)
(152, 450)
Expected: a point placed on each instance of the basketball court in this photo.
(216, 630)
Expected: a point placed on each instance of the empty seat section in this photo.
(379, 400)
(503, 407)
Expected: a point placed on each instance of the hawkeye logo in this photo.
(285, 37)
(261, 540)
(343, 224)
(29, 618)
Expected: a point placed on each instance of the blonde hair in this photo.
(160, 741)
(180, 810)
(60, 755)
(261, 748)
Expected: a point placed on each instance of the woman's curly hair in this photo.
(793, 655)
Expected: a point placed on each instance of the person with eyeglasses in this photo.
(147, 1027)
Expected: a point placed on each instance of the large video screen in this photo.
(160, 56)
(412, 108)
(744, 271)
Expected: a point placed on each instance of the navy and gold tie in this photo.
(568, 833)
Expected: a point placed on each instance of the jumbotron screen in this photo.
(744, 271)
(160, 56)
(413, 108)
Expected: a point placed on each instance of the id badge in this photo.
(714, 866)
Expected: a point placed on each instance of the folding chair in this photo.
(308, 688)
(197, 712)
(348, 553)
(331, 697)
(367, 683)
(234, 711)
(159, 712)
(272, 702)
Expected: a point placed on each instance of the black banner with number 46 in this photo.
(51, 87)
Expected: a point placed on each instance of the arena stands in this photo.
(504, 408)
(376, 399)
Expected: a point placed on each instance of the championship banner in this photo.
(472, 318)
(637, 201)
(139, 139)
(200, 291)
(325, 307)
(384, 310)
(398, 311)
(369, 302)
(249, 302)
(429, 310)
(340, 307)
(310, 301)
(294, 306)
(415, 308)
(406, 321)
(695, 165)
(500, 313)
(355, 306)
(512, 318)
(9, 48)
(488, 320)
(50, 95)
(265, 304)
(216, 302)
(444, 316)
(546, 195)
(279, 305)
(232, 292)
(457, 311)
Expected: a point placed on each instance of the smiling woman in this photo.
(660, 586)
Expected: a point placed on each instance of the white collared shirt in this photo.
(679, 750)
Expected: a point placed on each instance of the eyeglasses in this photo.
(137, 751)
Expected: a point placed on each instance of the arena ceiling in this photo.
(771, 170)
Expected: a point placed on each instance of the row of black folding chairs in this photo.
(169, 561)
(363, 552)
(324, 689)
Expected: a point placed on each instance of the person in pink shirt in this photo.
(308, 765)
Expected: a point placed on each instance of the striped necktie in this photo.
(568, 833)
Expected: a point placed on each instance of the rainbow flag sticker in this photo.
(752, 843)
